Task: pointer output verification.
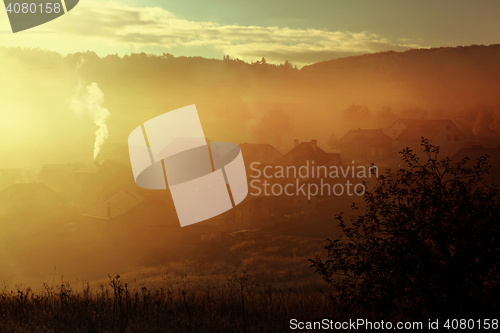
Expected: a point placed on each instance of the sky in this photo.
(300, 31)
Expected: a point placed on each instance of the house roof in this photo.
(369, 135)
(119, 204)
(334, 158)
(261, 152)
(10, 173)
(36, 196)
(408, 121)
(120, 153)
(424, 128)
(11, 176)
(90, 169)
(58, 170)
(102, 166)
(311, 152)
(474, 152)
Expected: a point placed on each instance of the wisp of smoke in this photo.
(90, 102)
(94, 100)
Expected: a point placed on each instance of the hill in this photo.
(237, 101)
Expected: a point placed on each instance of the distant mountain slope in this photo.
(443, 81)
(468, 59)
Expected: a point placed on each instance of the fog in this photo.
(237, 102)
(78, 108)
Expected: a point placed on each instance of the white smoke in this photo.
(89, 101)
(94, 100)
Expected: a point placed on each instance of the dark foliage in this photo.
(427, 245)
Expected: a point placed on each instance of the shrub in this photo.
(426, 246)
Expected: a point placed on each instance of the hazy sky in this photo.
(301, 31)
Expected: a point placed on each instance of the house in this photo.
(29, 208)
(308, 152)
(273, 187)
(140, 207)
(477, 151)
(305, 156)
(397, 127)
(101, 180)
(59, 176)
(115, 151)
(258, 211)
(14, 176)
(133, 215)
(116, 206)
(362, 144)
(442, 133)
(264, 154)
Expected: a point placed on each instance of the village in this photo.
(103, 197)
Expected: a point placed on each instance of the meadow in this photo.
(250, 282)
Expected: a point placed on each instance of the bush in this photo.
(426, 246)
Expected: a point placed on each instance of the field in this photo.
(251, 281)
(237, 306)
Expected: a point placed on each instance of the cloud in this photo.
(123, 25)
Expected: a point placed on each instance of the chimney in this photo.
(314, 145)
(295, 142)
(109, 210)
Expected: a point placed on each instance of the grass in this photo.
(253, 282)
(174, 306)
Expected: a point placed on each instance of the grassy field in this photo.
(253, 281)
(177, 305)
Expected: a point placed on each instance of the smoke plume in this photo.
(89, 101)
(94, 100)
